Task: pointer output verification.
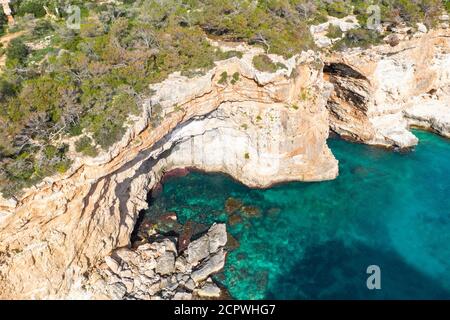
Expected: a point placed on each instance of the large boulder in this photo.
(207, 244)
(210, 266)
(217, 236)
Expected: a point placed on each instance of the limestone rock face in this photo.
(381, 92)
(262, 129)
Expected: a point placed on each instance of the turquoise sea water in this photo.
(316, 240)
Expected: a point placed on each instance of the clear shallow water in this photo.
(315, 240)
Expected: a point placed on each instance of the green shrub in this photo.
(84, 145)
(156, 116)
(235, 78)
(3, 23)
(42, 28)
(35, 7)
(334, 32)
(224, 55)
(16, 53)
(7, 90)
(263, 63)
(30, 167)
(363, 38)
(339, 9)
(223, 78)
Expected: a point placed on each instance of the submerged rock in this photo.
(235, 219)
(273, 212)
(232, 205)
(251, 211)
(232, 243)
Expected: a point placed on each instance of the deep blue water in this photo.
(316, 240)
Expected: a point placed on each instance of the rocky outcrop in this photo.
(157, 271)
(261, 128)
(381, 92)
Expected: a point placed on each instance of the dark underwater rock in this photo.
(232, 205)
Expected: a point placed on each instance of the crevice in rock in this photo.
(342, 70)
(349, 102)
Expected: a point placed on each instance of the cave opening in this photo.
(342, 70)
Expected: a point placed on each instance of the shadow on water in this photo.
(336, 271)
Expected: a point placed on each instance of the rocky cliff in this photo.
(261, 128)
(380, 93)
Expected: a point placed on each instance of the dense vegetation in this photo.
(59, 82)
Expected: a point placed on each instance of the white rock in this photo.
(209, 267)
(217, 236)
(165, 263)
(190, 285)
(209, 243)
(181, 264)
(149, 273)
(148, 264)
(432, 114)
(154, 288)
(129, 284)
(323, 27)
(209, 290)
(422, 28)
(112, 264)
(125, 254)
(198, 250)
(323, 42)
(182, 296)
(117, 290)
(126, 274)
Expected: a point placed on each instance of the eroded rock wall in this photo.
(60, 230)
(381, 92)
